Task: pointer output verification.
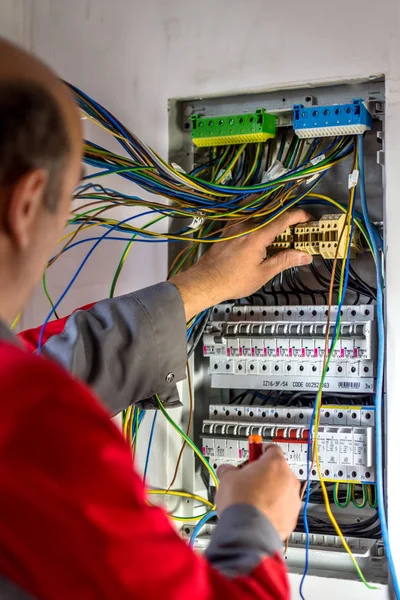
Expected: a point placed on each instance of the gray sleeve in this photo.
(10, 591)
(242, 539)
(127, 349)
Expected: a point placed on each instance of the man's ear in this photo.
(25, 206)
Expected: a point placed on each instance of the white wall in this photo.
(133, 55)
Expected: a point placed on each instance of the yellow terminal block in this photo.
(307, 237)
(326, 237)
(282, 242)
(334, 235)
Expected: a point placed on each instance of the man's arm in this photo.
(89, 532)
(128, 348)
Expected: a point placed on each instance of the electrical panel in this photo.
(260, 363)
(283, 347)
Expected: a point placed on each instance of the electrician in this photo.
(74, 519)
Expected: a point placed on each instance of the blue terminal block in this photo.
(338, 119)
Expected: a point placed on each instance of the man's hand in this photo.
(268, 484)
(238, 268)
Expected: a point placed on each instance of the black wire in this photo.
(253, 397)
(324, 282)
(270, 293)
(365, 529)
(282, 291)
(287, 275)
(239, 398)
(259, 297)
(354, 285)
(290, 149)
(308, 291)
(269, 154)
(282, 144)
(369, 290)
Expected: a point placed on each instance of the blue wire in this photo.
(379, 375)
(72, 281)
(146, 466)
(199, 526)
(114, 239)
(193, 325)
(134, 143)
(141, 416)
(313, 415)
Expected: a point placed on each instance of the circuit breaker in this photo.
(283, 347)
(345, 438)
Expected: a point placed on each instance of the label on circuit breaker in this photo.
(258, 349)
(235, 380)
(360, 449)
(212, 350)
(296, 453)
(332, 449)
(246, 347)
(208, 447)
(345, 448)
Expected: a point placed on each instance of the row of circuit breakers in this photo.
(282, 348)
(345, 439)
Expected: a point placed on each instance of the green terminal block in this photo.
(233, 129)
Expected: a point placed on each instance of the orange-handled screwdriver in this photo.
(255, 447)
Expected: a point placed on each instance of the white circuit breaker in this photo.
(345, 438)
(260, 347)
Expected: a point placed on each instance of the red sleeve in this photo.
(30, 337)
(74, 520)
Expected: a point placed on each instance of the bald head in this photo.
(16, 64)
(40, 165)
(39, 121)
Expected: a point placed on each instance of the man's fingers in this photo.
(236, 228)
(273, 450)
(269, 232)
(285, 260)
(278, 225)
(222, 469)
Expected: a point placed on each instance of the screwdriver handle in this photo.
(255, 447)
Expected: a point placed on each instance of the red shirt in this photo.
(74, 519)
